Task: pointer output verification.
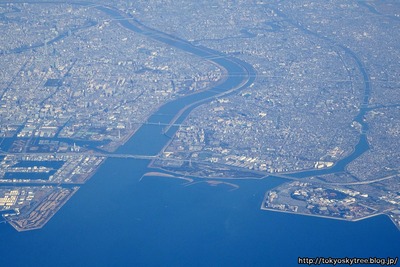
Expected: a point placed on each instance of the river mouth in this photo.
(116, 219)
(239, 75)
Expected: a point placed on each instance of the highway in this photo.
(83, 154)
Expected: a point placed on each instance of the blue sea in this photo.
(117, 220)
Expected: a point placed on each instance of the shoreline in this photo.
(225, 85)
(47, 218)
(322, 216)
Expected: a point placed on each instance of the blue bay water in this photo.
(115, 220)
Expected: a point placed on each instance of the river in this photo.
(117, 220)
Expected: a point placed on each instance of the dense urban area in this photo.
(323, 113)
